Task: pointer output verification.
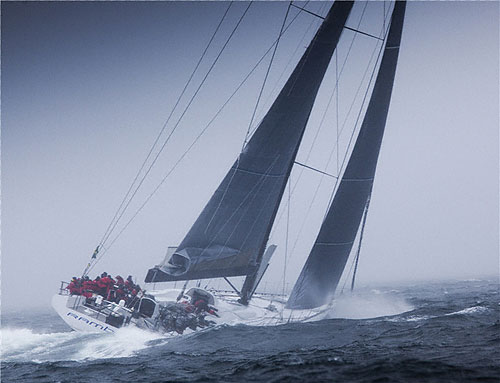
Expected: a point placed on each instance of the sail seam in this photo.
(334, 243)
(260, 174)
(357, 179)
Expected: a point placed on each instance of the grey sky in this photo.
(87, 86)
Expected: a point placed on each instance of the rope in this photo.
(201, 133)
(198, 137)
(251, 120)
(168, 138)
(267, 74)
(304, 220)
(184, 112)
(360, 240)
(287, 233)
(321, 125)
(337, 107)
(299, 44)
(113, 224)
(356, 124)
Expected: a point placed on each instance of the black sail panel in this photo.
(321, 273)
(229, 236)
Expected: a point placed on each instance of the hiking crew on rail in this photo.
(110, 289)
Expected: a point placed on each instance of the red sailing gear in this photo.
(74, 289)
(89, 287)
(119, 281)
(106, 284)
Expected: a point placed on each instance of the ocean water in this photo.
(432, 332)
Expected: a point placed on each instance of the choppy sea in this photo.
(426, 332)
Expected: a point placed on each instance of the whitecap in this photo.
(22, 344)
(411, 318)
(470, 310)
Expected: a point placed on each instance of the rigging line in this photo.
(359, 87)
(354, 262)
(337, 109)
(231, 284)
(343, 65)
(306, 11)
(245, 141)
(334, 89)
(360, 240)
(361, 32)
(325, 112)
(287, 233)
(347, 277)
(316, 170)
(337, 79)
(360, 84)
(267, 74)
(356, 123)
(331, 153)
(265, 103)
(197, 138)
(183, 113)
(167, 121)
(383, 20)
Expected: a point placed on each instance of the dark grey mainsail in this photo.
(321, 273)
(230, 235)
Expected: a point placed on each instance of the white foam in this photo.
(411, 318)
(123, 343)
(470, 310)
(417, 318)
(24, 344)
(21, 344)
(369, 305)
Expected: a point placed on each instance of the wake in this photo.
(24, 345)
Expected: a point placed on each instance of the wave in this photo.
(22, 344)
(470, 310)
(411, 318)
(416, 318)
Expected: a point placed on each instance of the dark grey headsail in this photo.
(321, 273)
(230, 235)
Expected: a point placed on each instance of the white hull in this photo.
(80, 320)
(261, 311)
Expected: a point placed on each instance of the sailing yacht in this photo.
(230, 236)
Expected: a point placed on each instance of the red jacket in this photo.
(74, 289)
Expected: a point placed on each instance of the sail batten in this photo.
(230, 235)
(324, 266)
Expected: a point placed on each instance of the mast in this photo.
(322, 271)
(230, 235)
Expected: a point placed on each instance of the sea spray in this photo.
(366, 305)
(21, 344)
(124, 343)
